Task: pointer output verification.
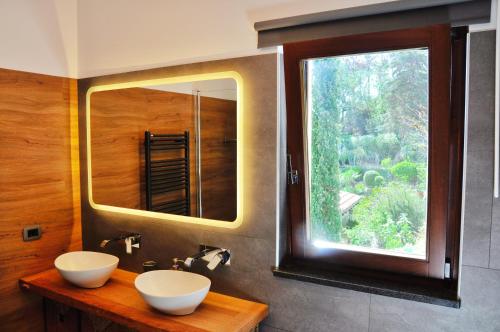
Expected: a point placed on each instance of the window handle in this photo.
(292, 174)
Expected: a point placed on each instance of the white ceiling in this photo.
(82, 38)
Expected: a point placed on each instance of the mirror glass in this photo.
(168, 148)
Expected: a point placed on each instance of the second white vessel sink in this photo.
(86, 269)
(173, 292)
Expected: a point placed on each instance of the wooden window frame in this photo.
(446, 48)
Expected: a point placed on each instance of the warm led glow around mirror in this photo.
(239, 147)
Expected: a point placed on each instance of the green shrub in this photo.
(414, 150)
(405, 171)
(351, 174)
(390, 217)
(386, 163)
(359, 154)
(358, 169)
(349, 178)
(387, 144)
(359, 188)
(422, 176)
(379, 181)
(369, 178)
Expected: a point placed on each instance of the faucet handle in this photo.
(214, 262)
(222, 257)
(188, 262)
(132, 240)
(176, 265)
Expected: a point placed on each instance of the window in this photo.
(367, 134)
(375, 132)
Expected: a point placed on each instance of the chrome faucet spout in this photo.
(131, 240)
(213, 255)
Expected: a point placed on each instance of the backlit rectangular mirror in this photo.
(166, 147)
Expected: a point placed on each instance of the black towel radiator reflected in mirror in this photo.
(166, 175)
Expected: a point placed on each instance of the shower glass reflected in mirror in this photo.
(168, 148)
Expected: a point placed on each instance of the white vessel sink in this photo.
(173, 292)
(86, 269)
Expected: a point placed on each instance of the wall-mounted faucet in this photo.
(213, 255)
(132, 240)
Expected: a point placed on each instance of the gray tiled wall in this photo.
(298, 306)
(479, 194)
(480, 284)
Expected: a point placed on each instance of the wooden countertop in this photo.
(119, 302)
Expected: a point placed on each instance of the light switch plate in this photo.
(31, 233)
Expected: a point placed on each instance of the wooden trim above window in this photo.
(446, 109)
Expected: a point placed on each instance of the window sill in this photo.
(294, 269)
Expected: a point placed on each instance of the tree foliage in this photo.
(405, 171)
(325, 173)
(369, 129)
(391, 217)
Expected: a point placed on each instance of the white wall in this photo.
(39, 36)
(82, 38)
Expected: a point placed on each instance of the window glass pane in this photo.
(367, 148)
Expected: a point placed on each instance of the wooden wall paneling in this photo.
(218, 158)
(38, 186)
(119, 119)
(118, 123)
(76, 234)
